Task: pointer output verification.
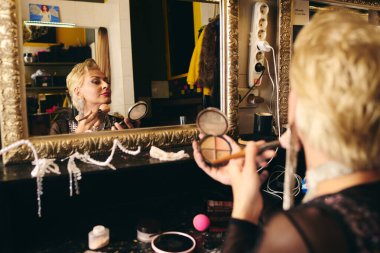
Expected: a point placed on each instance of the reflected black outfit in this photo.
(348, 221)
(66, 123)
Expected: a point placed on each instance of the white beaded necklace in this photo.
(326, 171)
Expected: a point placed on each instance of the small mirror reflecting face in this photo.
(213, 123)
(138, 111)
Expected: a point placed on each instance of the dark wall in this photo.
(148, 45)
(149, 41)
(181, 35)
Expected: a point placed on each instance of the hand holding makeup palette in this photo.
(214, 148)
(213, 123)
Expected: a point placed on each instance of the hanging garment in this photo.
(209, 76)
(193, 73)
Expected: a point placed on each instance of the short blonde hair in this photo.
(335, 75)
(76, 78)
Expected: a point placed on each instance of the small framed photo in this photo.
(43, 13)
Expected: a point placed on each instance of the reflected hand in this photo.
(126, 124)
(88, 122)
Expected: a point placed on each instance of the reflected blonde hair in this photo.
(335, 74)
(75, 79)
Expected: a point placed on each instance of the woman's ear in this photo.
(77, 92)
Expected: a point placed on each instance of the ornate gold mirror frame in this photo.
(12, 104)
(285, 30)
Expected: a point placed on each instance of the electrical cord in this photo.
(273, 86)
(275, 176)
(253, 86)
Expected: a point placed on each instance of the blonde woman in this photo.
(89, 90)
(334, 111)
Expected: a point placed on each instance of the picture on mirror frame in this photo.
(43, 13)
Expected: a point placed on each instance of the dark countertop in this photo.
(122, 161)
(172, 192)
(141, 187)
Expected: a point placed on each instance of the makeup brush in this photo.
(241, 153)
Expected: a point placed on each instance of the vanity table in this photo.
(141, 187)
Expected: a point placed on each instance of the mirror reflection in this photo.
(90, 92)
(175, 63)
(50, 53)
(176, 59)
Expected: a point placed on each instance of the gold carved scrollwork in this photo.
(285, 36)
(285, 43)
(232, 64)
(10, 97)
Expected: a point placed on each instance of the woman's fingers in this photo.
(117, 126)
(250, 154)
(235, 147)
(128, 123)
(88, 122)
(263, 176)
(198, 157)
(138, 123)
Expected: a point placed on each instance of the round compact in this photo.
(173, 242)
(146, 229)
(138, 111)
(214, 125)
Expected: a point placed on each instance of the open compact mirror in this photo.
(138, 111)
(213, 123)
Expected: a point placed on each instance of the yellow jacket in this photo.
(193, 74)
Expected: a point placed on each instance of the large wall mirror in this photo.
(13, 99)
(369, 8)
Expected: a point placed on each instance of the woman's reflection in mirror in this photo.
(90, 92)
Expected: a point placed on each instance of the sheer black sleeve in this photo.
(241, 236)
(59, 127)
(302, 230)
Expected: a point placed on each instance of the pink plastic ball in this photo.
(201, 222)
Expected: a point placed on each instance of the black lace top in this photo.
(66, 123)
(348, 221)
